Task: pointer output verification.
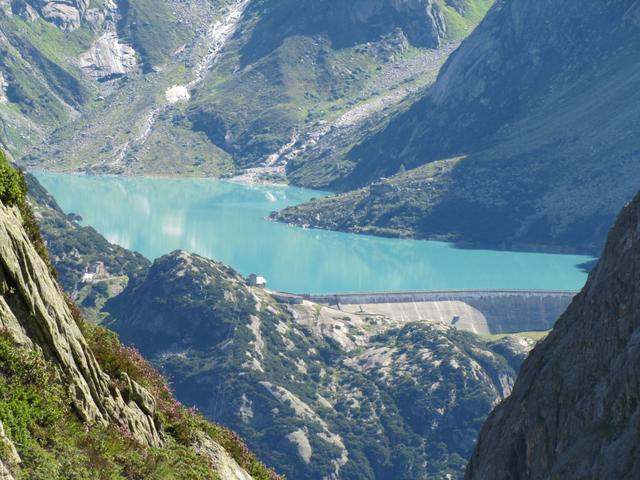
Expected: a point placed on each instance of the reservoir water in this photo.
(226, 222)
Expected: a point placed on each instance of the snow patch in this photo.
(177, 93)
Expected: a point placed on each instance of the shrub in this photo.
(180, 423)
(13, 192)
(13, 189)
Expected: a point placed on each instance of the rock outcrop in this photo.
(3, 88)
(318, 392)
(33, 311)
(220, 460)
(108, 57)
(66, 14)
(575, 408)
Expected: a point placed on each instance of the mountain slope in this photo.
(75, 403)
(256, 83)
(61, 58)
(295, 66)
(574, 410)
(317, 392)
(517, 119)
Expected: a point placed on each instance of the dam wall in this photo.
(479, 311)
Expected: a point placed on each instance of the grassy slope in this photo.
(43, 86)
(303, 81)
(460, 25)
(299, 81)
(152, 29)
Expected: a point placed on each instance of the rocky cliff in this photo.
(36, 316)
(509, 147)
(317, 392)
(68, 388)
(574, 409)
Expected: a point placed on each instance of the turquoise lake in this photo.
(226, 221)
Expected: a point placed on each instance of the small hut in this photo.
(254, 280)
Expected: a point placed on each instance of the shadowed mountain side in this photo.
(519, 110)
(574, 411)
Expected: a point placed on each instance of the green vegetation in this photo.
(402, 403)
(152, 29)
(43, 86)
(47, 48)
(13, 192)
(54, 445)
(461, 21)
(260, 113)
(12, 186)
(52, 42)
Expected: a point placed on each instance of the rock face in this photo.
(108, 57)
(226, 467)
(34, 313)
(66, 14)
(5, 474)
(3, 88)
(516, 117)
(317, 392)
(574, 411)
(348, 23)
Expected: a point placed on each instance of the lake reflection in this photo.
(226, 222)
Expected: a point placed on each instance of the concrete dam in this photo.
(485, 312)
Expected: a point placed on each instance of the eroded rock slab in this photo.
(108, 56)
(33, 311)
